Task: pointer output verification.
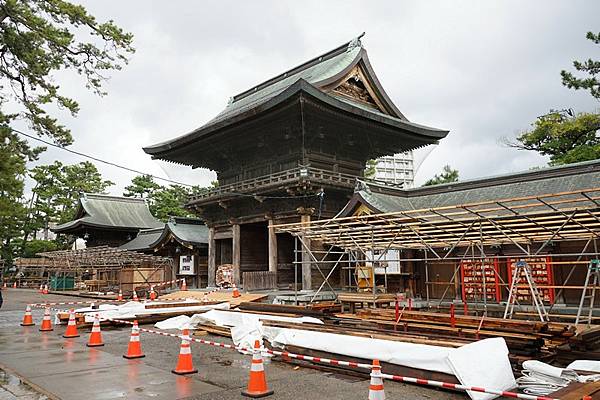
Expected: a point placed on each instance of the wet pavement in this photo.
(66, 369)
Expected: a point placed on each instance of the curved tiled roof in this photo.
(110, 212)
(568, 178)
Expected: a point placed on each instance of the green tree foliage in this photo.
(142, 186)
(448, 175)
(13, 157)
(164, 201)
(31, 248)
(565, 139)
(370, 169)
(169, 202)
(37, 39)
(57, 188)
(590, 69)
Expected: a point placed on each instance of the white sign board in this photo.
(386, 263)
(186, 265)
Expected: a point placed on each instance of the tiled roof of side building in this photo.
(585, 175)
(103, 211)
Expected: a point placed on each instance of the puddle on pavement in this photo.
(14, 385)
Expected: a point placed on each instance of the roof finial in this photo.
(355, 42)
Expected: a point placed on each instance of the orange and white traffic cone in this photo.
(14, 284)
(257, 384)
(120, 296)
(135, 298)
(183, 285)
(27, 318)
(184, 363)
(376, 386)
(46, 322)
(95, 336)
(71, 331)
(41, 290)
(45, 289)
(134, 350)
(236, 292)
(152, 293)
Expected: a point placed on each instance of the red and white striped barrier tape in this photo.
(69, 303)
(456, 386)
(351, 364)
(174, 281)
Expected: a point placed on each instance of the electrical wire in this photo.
(147, 174)
(97, 159)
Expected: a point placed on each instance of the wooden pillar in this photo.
(272, 248)
(212, 258)
(306, 258)
(235, 252)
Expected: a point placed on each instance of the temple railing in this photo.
(299, 174)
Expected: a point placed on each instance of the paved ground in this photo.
(67, 369)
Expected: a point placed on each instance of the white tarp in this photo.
(135, 309)
(484, 363)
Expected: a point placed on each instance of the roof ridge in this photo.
(113, 197)
(307, 64)
(535, 174)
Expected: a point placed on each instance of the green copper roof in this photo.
(187, 231)
(567, 178)
(110, 212)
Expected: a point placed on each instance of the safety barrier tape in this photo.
(398, 378)
(456, 386)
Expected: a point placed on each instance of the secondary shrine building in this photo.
(289, 150)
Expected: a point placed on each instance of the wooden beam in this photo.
(236, 252)
(212, 257)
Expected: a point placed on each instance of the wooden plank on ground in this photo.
(216, 296)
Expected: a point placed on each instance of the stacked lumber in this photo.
(220, 296)
(313, 310)
(525, 339)
(547, 329)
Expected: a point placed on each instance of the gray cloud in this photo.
(484, 70)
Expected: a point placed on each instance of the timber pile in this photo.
(317, 310)
(220, 296)
(525, 339)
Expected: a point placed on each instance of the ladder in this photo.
(593, 273)
(522, 269)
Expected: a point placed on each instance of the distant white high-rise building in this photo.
(398, 169)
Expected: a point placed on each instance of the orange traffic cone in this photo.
(95, 335)
(236, 292)
(120, 297)
(257, 384)
(134, 350)
(376, 386)
(135, 298)
(71, 331)
(152, 293)
(46, 322)
(184, 363)
(14, 285)
(183, 285)
(41, 290)
(45, 289)
(27, 318)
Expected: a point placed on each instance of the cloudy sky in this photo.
(482, 69)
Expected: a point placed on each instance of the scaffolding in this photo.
(452, 234)
(103, 268)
